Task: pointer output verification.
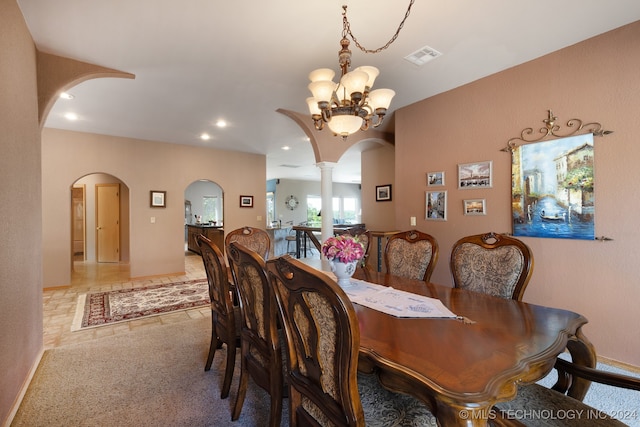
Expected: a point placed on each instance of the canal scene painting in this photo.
(552, 189)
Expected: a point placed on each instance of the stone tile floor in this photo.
(59, 304)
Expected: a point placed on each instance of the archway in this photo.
(204, 205)
(85, 237)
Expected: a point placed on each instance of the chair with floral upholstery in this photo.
(493, 264)
(411, 254)
(322, 347)
(225, 316)
(562, 400)
(255, 239)
(261, 349)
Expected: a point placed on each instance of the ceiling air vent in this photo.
(290, 166)
(422, 56)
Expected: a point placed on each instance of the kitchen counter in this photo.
(215, 233)
(278, 242)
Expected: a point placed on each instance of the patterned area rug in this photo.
(106, 308)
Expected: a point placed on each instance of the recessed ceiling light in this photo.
(71, 116)
(221, 123)
(422, 55)
(205, 137)
(286, 147)
(66, 95)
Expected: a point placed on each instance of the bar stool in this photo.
(291, 238)
(305, 242)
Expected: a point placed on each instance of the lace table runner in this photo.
(394, 301)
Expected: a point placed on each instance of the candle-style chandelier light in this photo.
(349, 105)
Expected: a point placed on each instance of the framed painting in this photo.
(383, 193)
(436, 205)
(435, 179)
(475, 207)
(552, 193)
(475, 175)
(246, 201)
(158, 199)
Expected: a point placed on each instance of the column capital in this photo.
(324, 165)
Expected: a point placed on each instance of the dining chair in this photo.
(256, 239)
(493, 264)
(538, 399)
(411, 254)
(364, 237)
(322, 347)
(225, 316)
(261, 350)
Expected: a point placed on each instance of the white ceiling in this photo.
(197, 61)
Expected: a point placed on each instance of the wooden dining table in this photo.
(460, 367)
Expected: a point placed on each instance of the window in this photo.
(345, 210)
(271, 208)
(211, 208)
(350, 210)
(314, 205)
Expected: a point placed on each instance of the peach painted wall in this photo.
(155, 248)
(595, 80)
(20, 209)
(378, 169)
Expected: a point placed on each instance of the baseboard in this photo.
(138, 278)
(622, 365)
(56, 288)
(23, 390)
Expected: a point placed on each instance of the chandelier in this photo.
(349, 105)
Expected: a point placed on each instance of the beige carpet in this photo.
(154, 377)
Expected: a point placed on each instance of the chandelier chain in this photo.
(347, 30)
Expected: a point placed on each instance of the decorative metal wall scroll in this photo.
(576, 126)
(552, 188)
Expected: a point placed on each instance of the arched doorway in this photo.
(204, 204)
(100, 228)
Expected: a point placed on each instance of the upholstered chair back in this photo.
(411, 254)
(218, 279)
(322, 336)
(225, 316)
(493, 264)
(261, 356)
(255, 239)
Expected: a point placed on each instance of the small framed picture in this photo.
(246, 201)
(475, 175)
(158, 199)
(436, 205)
(475, 207)
(383, 193)
(435, 179)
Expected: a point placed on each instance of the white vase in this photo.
(343, 271)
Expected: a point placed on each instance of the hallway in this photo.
(59, 304)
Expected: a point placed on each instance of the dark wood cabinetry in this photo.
(215, 234)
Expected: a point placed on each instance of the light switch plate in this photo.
(413, 220)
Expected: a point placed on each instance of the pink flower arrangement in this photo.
(343, 248)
